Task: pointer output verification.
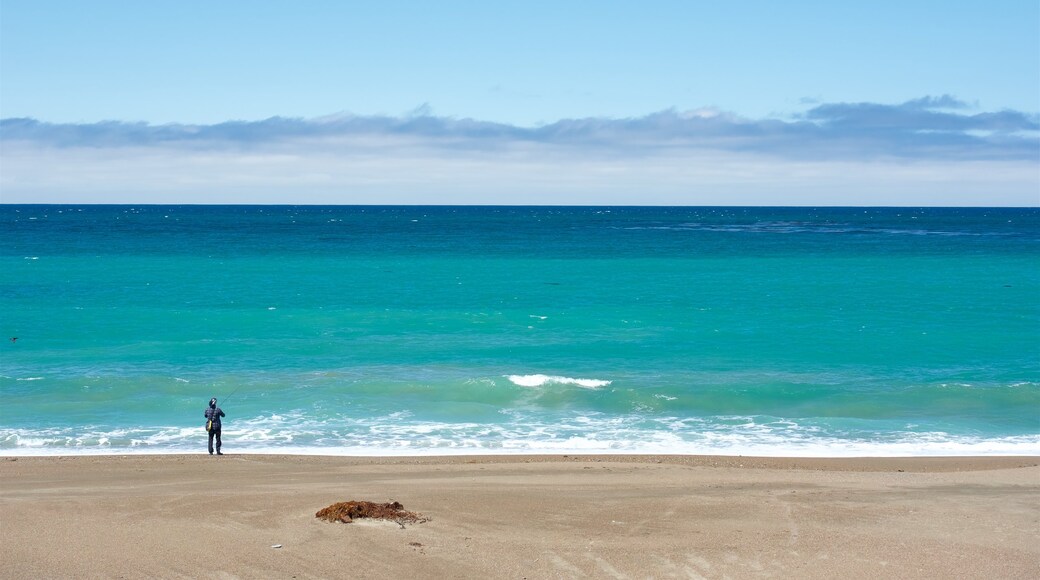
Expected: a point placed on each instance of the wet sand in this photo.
(521, 517)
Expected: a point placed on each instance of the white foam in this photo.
(519, 433)
(661, 445)
(542, 380)
(30, 379)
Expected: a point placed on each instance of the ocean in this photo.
(369, 330)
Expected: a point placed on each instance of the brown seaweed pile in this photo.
(348, 511)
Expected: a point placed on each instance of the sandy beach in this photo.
(521, 517)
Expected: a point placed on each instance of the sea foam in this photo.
(543, 380)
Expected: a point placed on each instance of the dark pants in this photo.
(214, 433)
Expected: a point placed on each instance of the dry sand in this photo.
(521, 517)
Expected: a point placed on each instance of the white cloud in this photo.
(838, 154)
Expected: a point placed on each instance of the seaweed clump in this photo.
(348, 511)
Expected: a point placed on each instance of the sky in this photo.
(602, 103)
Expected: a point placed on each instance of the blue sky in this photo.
(742, 102)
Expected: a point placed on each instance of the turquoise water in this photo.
(434, 330)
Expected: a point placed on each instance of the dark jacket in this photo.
(215, 414)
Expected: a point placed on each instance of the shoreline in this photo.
(922, 463)
(515, 516)
(1013, 446)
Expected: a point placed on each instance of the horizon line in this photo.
(509, 205)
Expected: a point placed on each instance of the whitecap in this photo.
(542, 380)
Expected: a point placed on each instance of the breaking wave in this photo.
(543, 380)
(521, 433)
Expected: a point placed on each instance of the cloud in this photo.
(927, 151)
(921, 117)
(940, 102)
(919, 128)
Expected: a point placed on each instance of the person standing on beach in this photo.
(213, 414)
